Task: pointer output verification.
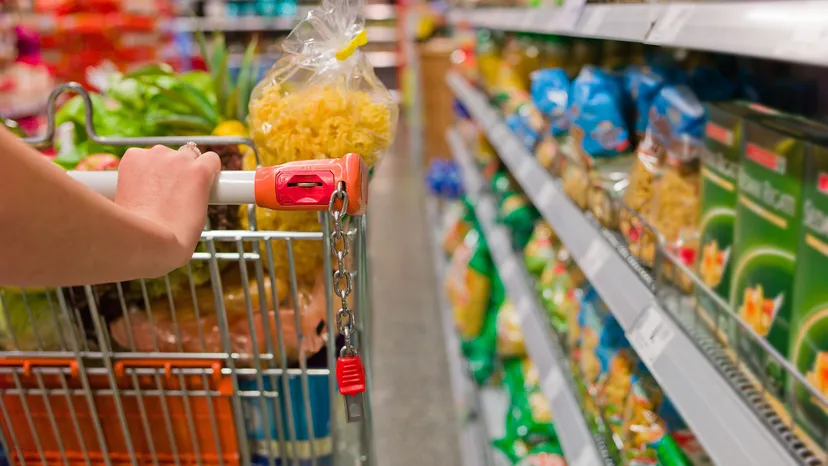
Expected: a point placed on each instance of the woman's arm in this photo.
(56, 232)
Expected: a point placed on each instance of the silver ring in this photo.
(192, 146)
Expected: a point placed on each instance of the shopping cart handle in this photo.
(301, 185)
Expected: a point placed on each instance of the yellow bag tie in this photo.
(358, 41)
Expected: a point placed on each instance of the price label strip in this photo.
(547, 195)
(593, 20)
(651, 334)
(585, 458)
(570, 15)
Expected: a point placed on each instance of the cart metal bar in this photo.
(230, 187)
(75, 88)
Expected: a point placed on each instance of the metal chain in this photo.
(345, 320)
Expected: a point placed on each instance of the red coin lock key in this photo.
(350, 376)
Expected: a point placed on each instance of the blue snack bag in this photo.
(649, 85)
(550, 94)
(599, 129)
(520, 127)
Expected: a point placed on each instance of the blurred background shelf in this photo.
(723, 419)
(781, 30)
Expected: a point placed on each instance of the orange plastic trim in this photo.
(27, 364)
(274, 190)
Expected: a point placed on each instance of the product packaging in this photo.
(724, 144)
(767, 234)
(675, 205)
(541, 248)
(468, 284)
(320, 100)
(809, 331)
(559, 295)
(458, 219)
(510, 342)
(550, 94)
(652, 135)
(262, 420)
(519, 215)
(481, 351)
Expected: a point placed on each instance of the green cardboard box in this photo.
(809, 321)
(766, 239)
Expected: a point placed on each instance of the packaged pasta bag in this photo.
(676, 189)
(634, 218)
(468, 284)
(541, 248)
(320, 100)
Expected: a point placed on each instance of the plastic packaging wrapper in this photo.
(510, 342)
(519, 215)
(320, 100)
(559, 295)
(481, 351)
(176, 325)
(458, 221)
(598, 127)
(541, 248)
(676, 196)
(608, 183)
(468, 284)
(576, 182)
(637, 198)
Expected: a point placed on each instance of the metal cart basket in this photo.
(87, 376)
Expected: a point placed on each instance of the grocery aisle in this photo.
(414, 418)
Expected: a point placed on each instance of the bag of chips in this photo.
(468, 284)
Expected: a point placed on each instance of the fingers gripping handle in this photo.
(303, 185)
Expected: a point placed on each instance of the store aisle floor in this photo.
(414, 418)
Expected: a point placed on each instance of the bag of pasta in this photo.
(634, 218)
(320, 100)
(676, 190)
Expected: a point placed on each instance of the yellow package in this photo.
(510, 343)
(320, 100)
(633, 219)
(468, 284)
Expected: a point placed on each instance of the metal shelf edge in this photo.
(576, 439)
(780, 30)
(730, 432)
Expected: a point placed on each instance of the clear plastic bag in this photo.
(637, 200)
(320, 100)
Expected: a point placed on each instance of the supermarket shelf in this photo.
(782, 30)
(576, 440)
(277, 23)
(482, 410)
(724, 423)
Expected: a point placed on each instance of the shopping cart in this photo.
(73, 392)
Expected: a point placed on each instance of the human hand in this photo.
(170, 188)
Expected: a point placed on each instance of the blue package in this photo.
(443, 179)
(550, 94)
(596, 107)
(297, 433)
(649, 85)
(521, 129)
(677, 120)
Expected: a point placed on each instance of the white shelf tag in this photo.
(594, 258)
(552, 384)
(669, 24)
(651, 334)
(525, 169)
